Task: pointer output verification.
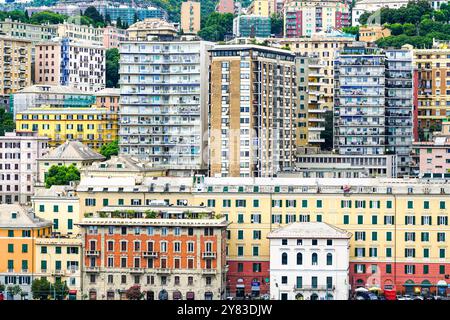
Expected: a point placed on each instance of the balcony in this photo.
(137, 270)
(163, 271)
(58, 272)
(315, 288)
(208, 255)
(209, 271)
(92, 253)
(92, 269)
(150, 254)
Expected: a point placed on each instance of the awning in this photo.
(442, 283)
(240, 286)
(72, 291)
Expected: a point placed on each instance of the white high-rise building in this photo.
(164, 101)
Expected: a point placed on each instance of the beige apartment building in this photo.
(372, 33)
(190, 17)
(323, 46)
(27, 31)
(252, 111)
(15, 67)
(433, 89)
(81, 33)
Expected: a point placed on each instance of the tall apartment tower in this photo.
(252, 111)
(374, 103)
(190, 17)
(164, 100)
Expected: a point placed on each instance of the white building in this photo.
(309, 261)
(164, 101)
(364, 6)
(18, 165)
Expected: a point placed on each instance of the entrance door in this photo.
(240, 292)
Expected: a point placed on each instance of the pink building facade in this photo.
(225, 6)
(112, 36)
(434, 156)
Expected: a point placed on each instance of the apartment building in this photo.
(374, 103)
(50, 95)
(19, 229)
(60, 205)
(93, 127)
(309, 261)
(372, 33)
(112, 36)
(19, 152)
(329, 165)
(71, 152)
(251, 26)
(27, 31)
(172, 253)
(363, 6)
(432, 158)
(66, 62)
(108, 98)
(323, 46)
(164, 101)
(81, 33)
(260, 8)
(433, 89)
(15, 67)
(190, 17)
(399, 226)
(252, 111)
(226, 6)
(311, 106)
(59, 259)
(305, 18)
(151, 28)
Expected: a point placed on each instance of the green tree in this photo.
(276, 24)
(61, 175)
(135, 18)
(6, 122)
(47, 17)
(107, 19)
(396, 29)
(40, 288)
(216, 26)
(112, 68)
(92, 13)
(59, 290)
(14, 290)
(110, 149)
(2, 287)
(119, 23)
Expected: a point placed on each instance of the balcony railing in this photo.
(208, 255)
(137, 270)
(209, 271)
(314, 288)
(94, 253)
(150, 254)
(163, 270)
(92, 269)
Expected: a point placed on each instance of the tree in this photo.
(61, 175)
(112, 68)
(2, 287)
(276, 24)
(108, 19)
(135, 18)
(14, 290)
(217, 25)
(47, 17)
(59, 290)
(6, 122)
(40, 288)
(119, 23)
(92, 13)
(110, 149)
(134, 293)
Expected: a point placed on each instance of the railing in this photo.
(314, 288)
(163, 270)
(137, 270)
(208, 255)
(150, 254)
(92, 269)
(92, 253)
(209, 271)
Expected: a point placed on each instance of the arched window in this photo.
(314, 259)
(284, 258)
(299, 258)
(329, 259)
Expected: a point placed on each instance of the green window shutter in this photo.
(11, 264)
(374, 236)
(24, 264)
(10, 248)
(389, 236)
(442, 205)
(388, 268)
(319, 203)
(346, 219)
(55, 223)
(55, 208)
(319, 218)
(43, 265)
(370, 204)
(360, 219)
(41, 208)
(255, 203)
(389, 204)
(388, 252)
(374, 219)
(364, 204)
(410, 204)
(70, 224)
(342, 203)
(70, 208)
(105, 202)
(58, 265)
(120, 202)
(304, 203)
(240, 234)
(24, 248)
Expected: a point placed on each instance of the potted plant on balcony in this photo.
(150, 214)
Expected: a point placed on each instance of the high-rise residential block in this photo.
(304, 18)
(252, 111)
(164, 101)
(433, 89)
(251, 26)
(374, 103)
(190, 17)
(19, 152)
(73, 63)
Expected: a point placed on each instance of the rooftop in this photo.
(308, 230)
(55, 89)
(24, 217)
(73, 150)
(55, 191)
(108, 92)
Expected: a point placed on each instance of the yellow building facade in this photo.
(18, 233)
(399, 226)
(60, 259)
(93, 127)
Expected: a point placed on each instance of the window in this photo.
(389, 236)
(329, 259)
(299, 282)
(284, 258)
(319, 204)
(314, 282)
(388, 268)
(360, 219)
(346, 219)
(389, 252)
(284, 280)
(299, 258)
(256, 267)
(314, 259)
